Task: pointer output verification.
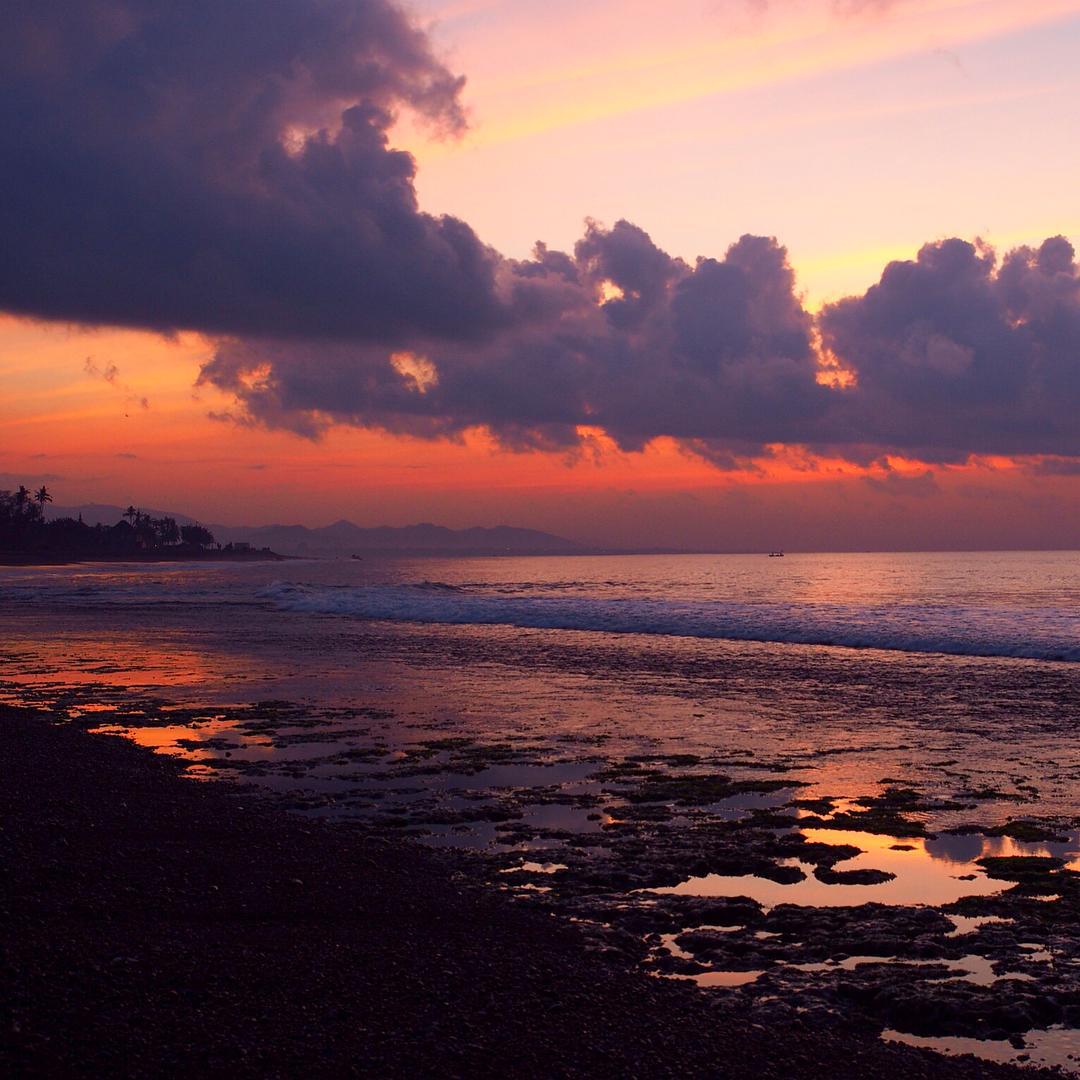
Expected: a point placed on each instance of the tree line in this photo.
(25, 531)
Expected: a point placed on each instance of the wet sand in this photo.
(155, 925)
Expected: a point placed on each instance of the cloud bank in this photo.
(225, 167)
(222, 165)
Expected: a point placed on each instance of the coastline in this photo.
(152, 924)
(30, 559)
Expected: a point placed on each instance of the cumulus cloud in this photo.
(949, 355)
(1051, 466)
(957, 354)
(617, 335)
(225, 167)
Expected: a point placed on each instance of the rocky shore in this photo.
(153, 925)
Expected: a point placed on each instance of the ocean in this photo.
(1008, 604)
(624, 739)
(980, 651)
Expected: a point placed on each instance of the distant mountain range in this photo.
(105, 514)
(345, 538)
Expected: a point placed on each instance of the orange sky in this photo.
(91, 441)
(853, 139)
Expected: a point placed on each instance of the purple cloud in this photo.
(956, 354)
(225, 167)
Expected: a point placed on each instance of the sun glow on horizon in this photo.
(854, 139)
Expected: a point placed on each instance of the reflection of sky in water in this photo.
(1055, 1047)
(968, 924)
(501, 776)
(923, 876)
(971, 968)
(725, 979)
(974, 969)
(840, 721)
(167, 736)
(735, 807)
(961, 849)
(831, 714)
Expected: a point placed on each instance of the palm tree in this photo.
(42, 496)
(132, 514)
(168, 532)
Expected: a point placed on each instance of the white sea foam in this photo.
(1031, 633)
(1023, 605)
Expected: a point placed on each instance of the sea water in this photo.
(456, 697)
(1008, 604)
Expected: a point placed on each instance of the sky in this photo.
(737, 274)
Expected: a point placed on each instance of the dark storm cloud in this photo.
(223, 166)
(619, 336)
(1056, 467)
(957, 355)
(952, 355)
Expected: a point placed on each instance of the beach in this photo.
(877, 844)
(540, 540)
(156, 926)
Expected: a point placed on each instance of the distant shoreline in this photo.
(33, 559)
(371, 554)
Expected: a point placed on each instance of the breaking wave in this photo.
(1028, 633)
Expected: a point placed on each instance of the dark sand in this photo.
(153, 925)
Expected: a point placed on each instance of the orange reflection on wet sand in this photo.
(166, 739)
(921, 877)
(117, 662)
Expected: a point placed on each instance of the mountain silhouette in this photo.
(346, 538)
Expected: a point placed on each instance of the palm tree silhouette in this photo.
(131, 513)
(41, 497)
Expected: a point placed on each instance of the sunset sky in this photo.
(221, 299)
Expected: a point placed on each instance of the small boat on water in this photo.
(776, 554)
